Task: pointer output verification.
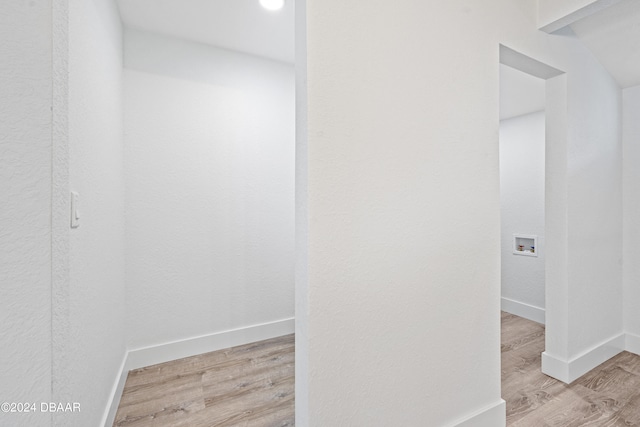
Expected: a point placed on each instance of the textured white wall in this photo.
(25, 208)
(89, 331)
(209, 138)
(402, 174)
(302, 219)
(397, 188)
(631, 185)
(522, 151)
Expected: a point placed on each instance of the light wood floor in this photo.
(250, 386)
(253, 385)
(608, 396)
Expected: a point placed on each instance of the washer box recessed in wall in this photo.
(525, 244)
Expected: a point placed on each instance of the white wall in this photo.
(631, 186)
(398, 313)
(209, 164)
(520, 93)
(522, 180)
(302, 220)
(396, 186)
(594, 212)
(25, 207)
(89, 332)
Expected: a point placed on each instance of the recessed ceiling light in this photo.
(272, 4)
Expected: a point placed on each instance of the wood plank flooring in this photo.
(253, 386)
(608, 396)
(250, 386)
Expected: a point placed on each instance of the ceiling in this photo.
(241, 25)
(520, 93)
(613, 35)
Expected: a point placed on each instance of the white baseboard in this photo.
(114, 401)
(492, 416)
(555, 367)
(632, 343)
(148, 356)
(522, 309)
(139, 358)
(569, 371)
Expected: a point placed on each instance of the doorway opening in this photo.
(533, 174)
(522, 177)
(533, 147)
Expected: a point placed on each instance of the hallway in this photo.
(164, 191)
